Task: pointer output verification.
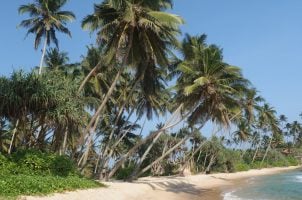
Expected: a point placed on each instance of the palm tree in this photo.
(251, 103)
(207, 86)
(295, 129)
(136, 33)
(212, 91)
(269, 121)
(46, 17)
(243, 131)
(55, 59)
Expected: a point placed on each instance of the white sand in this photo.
(166, 188)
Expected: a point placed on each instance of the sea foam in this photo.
(298, 178)
(231, 196)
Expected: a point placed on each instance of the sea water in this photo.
(284, 186)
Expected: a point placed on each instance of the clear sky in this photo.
(264, 38)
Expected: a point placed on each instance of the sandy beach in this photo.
(199, 187)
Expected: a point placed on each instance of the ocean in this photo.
(284, 186)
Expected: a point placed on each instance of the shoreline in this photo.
(194, 187)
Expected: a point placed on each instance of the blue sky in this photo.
(264, 38)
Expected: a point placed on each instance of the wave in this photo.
(231, 196)
(298, 178)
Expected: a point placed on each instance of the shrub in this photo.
(124, 173)
(62, 166)
(34, 172)
(241, 167)
(41, 163)
(15, 185)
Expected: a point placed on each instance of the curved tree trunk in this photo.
(136, 146)
(105, 100)
(255, 154)
(84, 157)
(106, 158)
(164, 155)
(208, 169)
(43, 55)
(112, 87)
(140, 161)
(106, 148)
(266, 151)
(13, 137)
(64, 146)
(88, 77)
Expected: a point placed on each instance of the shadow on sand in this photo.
(175, 186)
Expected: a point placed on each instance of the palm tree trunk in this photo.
(205, 161)
(84, 157)
(88, 77)
(107, 153)
(63, 151)
(112, 87)
(255, 154)
(106, 149)
(266, 151)
(105, 100)
(137, 145)
(106, 158)
(210, 164)
(43, 54)
(198, 157)
(13, 137)
(140, 161)
(193, 154)
(164, 155)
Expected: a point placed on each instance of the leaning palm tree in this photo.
(46, 17)
(210, 88)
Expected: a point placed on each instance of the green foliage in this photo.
(124, 173)
(15, 185)
(62, 166)
(226, 161)
(169, 168)
(30, 172)
(41, 163)
(241, 167)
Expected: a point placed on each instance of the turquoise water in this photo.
(285, 186)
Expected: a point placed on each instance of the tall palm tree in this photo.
(269, 121)
(136, 33)
(295, 129)
(208, 87)
(46, 17)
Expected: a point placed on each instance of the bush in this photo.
(34, 172)
(41, 163)
(15, 185)
(124, 173)
(241, 167)
(62, 166)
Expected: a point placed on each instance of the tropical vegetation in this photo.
(87, 118)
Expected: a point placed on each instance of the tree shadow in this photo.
(175, 186)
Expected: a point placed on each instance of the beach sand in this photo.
(195, 187)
